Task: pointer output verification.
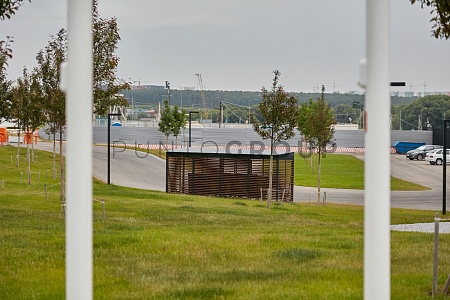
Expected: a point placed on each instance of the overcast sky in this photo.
(236, 44)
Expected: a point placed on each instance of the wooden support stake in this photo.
(103, 210)
(446, 286)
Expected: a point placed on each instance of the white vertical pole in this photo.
(79, 275)
(377, 156)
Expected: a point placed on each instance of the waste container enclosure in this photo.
(242, 174)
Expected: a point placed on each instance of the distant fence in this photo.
(343, 138)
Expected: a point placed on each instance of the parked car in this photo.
(435, 157)
(420, 152)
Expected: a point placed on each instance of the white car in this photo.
(435, 157)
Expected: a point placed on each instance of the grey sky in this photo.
(236, 44)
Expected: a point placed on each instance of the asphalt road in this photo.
(134, 170)
(128, 168)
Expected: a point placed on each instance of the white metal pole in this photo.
(377, 156)
(79, 274)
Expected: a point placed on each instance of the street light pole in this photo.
(190, 120)
(168, 89)
(248, 111)
(109, 146)
(132, 104)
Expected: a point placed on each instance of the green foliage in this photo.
(430, 109)
(179, 120)
(316, 126)
(440, 10)
(106, 84)
(236, 103)
(26, 102)
(279, 113)
(345, 113)
(5, 85)
(316, 122)
(166, 121)
(49, 63)
(8, 8)
(49, 70)
(172, 121)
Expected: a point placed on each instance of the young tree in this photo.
(166, 121)
(306, 134)
(279, 118)
(27, 110)
(316, 125)
(49, 62)
(179, 122)
(18, 96)
(106, 85)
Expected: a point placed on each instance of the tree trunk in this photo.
(54, 155)
(318, 176)
(18, 149)
(269, 190)
(32, 146)
(28, 157)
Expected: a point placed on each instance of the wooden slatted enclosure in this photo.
(224, 174)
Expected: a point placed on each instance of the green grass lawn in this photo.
(154, 245)
(342, 171)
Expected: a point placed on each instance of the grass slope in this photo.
(342, 171)
(154, 245)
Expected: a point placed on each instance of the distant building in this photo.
(147, 87)
(346, 126)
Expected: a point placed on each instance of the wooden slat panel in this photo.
(228, 177)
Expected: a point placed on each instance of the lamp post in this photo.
(249, 113)
(132, 104)
(190, 120)
(109, 146)
(168, 89)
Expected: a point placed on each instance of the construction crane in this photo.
(202, 93)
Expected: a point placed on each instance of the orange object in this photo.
(28, 138)
(3, 135)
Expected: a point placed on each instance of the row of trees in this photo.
(424, 113)
(35, 100)
(192, 98)
(237, 106)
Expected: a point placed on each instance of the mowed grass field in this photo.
(343, 171)
(153, 245)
